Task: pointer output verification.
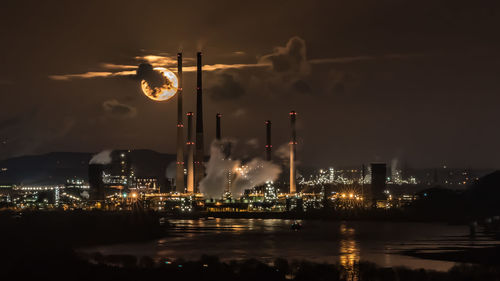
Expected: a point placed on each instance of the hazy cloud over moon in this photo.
(154, 78)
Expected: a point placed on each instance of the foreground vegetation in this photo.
(97, 267)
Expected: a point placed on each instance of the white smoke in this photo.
(394, 168)
(103, 158)
(283, 151)
(171, 170)
(368, 175)
(254, 143)
(255, 172)
(212, 185)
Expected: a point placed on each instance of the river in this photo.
(322, 241)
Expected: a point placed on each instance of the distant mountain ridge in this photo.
(56, 167)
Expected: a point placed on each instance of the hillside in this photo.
(56, 167)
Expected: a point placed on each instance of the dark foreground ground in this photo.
(66, 266)
(40, 246)
(484, 256)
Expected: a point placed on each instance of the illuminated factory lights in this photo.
(270, 192)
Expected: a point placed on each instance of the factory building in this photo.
(378, 181)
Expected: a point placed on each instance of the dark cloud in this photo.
(119, 110)
(301, 86)
(10, 122)
(13, 122)
(340, 82)
(227, 88)
(154, 78)
(291, 58)
(338, 88)
(239, 112)
(289, 73)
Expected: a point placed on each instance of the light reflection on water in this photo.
(349, 252)
(346, 243)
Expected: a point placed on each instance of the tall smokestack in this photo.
(268, 140)
(180, 131)
(217, 126)
(198, 162)
(190, 149)
(293, 143)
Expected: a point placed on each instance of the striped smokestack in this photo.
(190, 149)
(217, 126)
(198, 161)
(269, 147)
(293, 143)
(180, 131)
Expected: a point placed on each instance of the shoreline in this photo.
(488, 256)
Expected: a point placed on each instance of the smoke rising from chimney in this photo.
(170, 171)
(103, 157)
(253, 173)
(258, 172)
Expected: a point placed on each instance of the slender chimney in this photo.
(217, 126)
(190, 149)
(180, 131)
(199, 156)
(293, 143)
(269, 147)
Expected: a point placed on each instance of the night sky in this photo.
(370, 80)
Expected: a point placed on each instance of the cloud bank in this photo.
(288, 59)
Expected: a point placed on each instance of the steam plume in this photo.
(103, 158)
(254, 173)
(171, 170)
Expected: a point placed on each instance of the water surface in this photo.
(320, 241)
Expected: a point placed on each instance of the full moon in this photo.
(166, 91)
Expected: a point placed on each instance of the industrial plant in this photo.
(220, 182)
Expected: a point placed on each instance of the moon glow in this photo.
(165, 91)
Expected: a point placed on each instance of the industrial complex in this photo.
(239, 186)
